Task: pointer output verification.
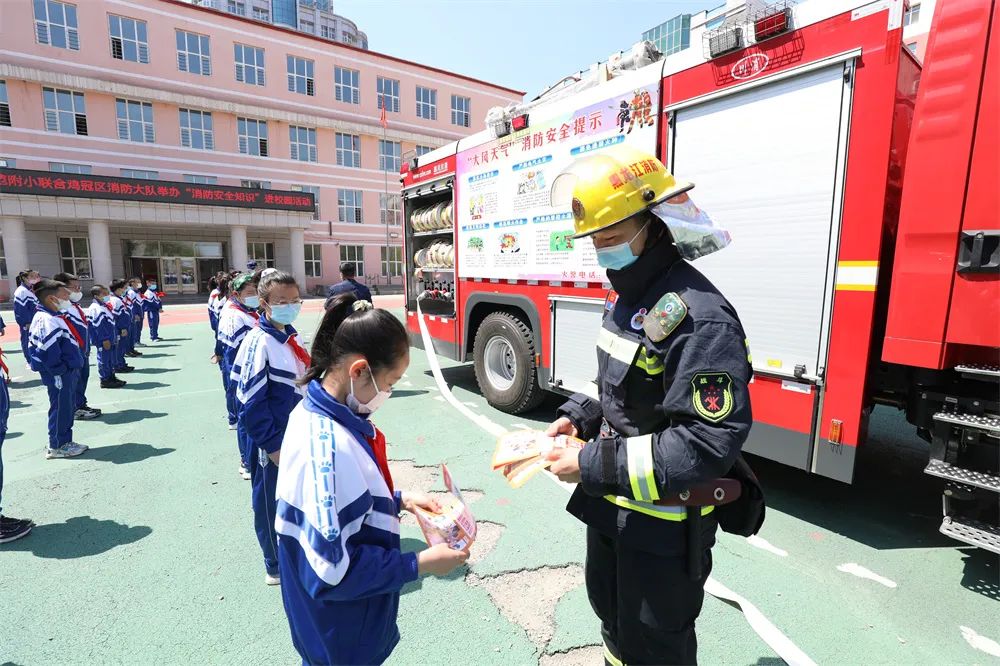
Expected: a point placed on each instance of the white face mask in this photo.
(63, 306)
(369, 407)
(76, 296)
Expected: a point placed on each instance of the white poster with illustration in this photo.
(506, 227)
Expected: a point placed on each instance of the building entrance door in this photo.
(179, 275)
(207, 268)
(145, 269)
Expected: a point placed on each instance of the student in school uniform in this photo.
(25, 305)
(238, 318)
(133, 300)
(103, 335)
(123, 321)
(270, 359)
(152, 305)
(55, 347)
(84, 412)
(11, 529)
(339, 553)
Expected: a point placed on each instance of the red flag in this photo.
(382, 120)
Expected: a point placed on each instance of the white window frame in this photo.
(912, 15)
(262, 252)
(347, 85)
(75, 258)
(301, 75)
(199, 179)
(302, 143)
(392, 261)
(69, 167)
(196, 128)
(388, 93)
(390, 208)
(427, 103)
(461, 110)
(186, 56)
(261, 14)
(236, 7)
(249, 70)
(255, 144)
(135, 120)
(254, 184)
(312, 189)
(350, 206)
(348, 150)
(328, 32)
(307, 26)
(423, 150)
(5, 120)
(386, 160)
(57, 118)
(127, 34)
(314, 259)
(358, 258)
(59, 20)
(140, 174)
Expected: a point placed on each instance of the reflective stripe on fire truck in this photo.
(617, 347)
(640, 468)
(857, 275)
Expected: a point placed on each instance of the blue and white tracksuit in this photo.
(4, 415)
(102, 329)
(234, 323)
(213, 310)
(264, 372)
(79, 319)
(134, 303)
(25, 304)
(57, 357)
(153, 306)
(338, 537)
(123, 322)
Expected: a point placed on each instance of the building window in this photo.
(135, 121)
(349, 150)
(349, 204)
(303, 143)
(4, 105)
(3, 260)
(347, 85)
(328, 32)
(262, 14)
(392, 261)
(912, 15)
(256, 184)
(192, 53)
(354, 254)
(388, 94)
(423, 150)
(66, 167)
(8, 163)
(55, 24)
(312, 189)
(715, 23)
(427, 103)
(389, 156)
(285, 12)
(314, 260)
(236, 7)
(196, 129)
(461, 110)
(348, 38)
(140, 174)
(300, 76)
(200, 180)
(390, 208)
(128, 39)
(253, 136)
(64, 111)
(262, 253)
(75, 256)
(305, 25)
(249, 64)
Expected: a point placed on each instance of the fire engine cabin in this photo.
(793, 123)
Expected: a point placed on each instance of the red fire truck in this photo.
(862, 207)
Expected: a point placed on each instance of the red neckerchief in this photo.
(83, 317)
(381, 459)
(72, 329)
(3, 364)
(109, 306)
(299, 350)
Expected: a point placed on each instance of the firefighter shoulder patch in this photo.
(712, 395)
(664, 317)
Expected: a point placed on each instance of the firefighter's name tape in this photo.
(770, 634)
(857, 275)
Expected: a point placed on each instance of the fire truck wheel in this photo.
(504, 352)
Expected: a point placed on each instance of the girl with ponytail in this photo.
(25, 305)
(338, 512)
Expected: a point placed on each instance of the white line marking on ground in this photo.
(114, 403)
(519, 426)
(763, 544)
(981, 643)
(469, 404)
(439, 398)
(861, 572)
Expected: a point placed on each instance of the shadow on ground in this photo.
(145, 356)
(982, 573)
(138, 386)
(122, 454)
(33, 383)
(81, 536)
(129, 416)
(153, 371)
(406, 393)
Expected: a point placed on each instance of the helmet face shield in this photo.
(694, 233)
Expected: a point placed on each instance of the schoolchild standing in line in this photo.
(238, 318)
(11, 529)
(123, 320)
(84, 412)
(133, 300)
(25, 306)
(153, 306)
(103, 336)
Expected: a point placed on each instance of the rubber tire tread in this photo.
(528, 394)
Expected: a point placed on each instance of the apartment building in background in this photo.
(173, 140)
(315, 17)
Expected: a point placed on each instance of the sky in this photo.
(518, 44)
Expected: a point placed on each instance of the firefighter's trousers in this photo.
(647, 603)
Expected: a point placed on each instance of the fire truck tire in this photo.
(504, 355)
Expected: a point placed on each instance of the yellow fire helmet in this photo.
(617, 183)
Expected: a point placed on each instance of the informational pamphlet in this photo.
(454, 525)
(523, 453)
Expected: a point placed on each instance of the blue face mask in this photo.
(286, 313)
(618, 256)
(252, 302)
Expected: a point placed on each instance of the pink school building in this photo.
(172, 140)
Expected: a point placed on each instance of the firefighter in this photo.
(673, 408)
